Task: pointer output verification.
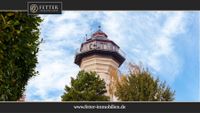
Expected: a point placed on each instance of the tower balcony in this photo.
(116, 54)
(119, 51)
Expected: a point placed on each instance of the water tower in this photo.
(99, 54)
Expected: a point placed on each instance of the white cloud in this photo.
(148, 37)
(143, 36)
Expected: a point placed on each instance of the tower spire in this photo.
(99, 27)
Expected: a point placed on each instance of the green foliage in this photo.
(19, 40)
(86, 87)
(141, 86)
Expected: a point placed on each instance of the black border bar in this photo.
(131, 107)
(109, 4)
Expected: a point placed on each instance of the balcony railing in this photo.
(78, 51)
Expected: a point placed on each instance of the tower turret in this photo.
(99, 54)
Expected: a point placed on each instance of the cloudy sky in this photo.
(167, 43)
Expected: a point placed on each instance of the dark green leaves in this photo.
(18, 42)
(86, 87)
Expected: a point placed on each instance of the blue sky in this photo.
(165, 42)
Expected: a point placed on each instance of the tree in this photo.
(139, 85)
(86, 87)
(19, 41)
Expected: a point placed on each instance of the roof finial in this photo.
(99, 28)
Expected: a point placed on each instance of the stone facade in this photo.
(101, 65)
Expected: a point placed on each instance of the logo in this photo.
(44, 7)
(33, 8)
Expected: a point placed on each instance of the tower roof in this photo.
(99, 44)
(99, 34)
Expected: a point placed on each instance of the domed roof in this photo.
(99, 33)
